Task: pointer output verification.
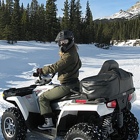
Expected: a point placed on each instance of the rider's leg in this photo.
(44, 102)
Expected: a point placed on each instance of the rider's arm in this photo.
(65, 61)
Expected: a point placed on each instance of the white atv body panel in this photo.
(21, 104)
(100, 108)
(73, 108)
(29, 103)
(40, 89)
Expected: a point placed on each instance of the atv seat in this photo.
(74, 94)
(108, 65)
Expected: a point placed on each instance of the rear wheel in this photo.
(130, 129)
(13, 125)
(83, 131)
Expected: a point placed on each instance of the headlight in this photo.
(2, 94)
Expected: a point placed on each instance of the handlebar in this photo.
(43, 79)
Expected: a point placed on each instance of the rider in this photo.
(68, 71)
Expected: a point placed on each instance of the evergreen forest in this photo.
(40, 22)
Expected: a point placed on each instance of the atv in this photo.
(99, 110)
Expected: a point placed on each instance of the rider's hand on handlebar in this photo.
(39, 71)
(35, 74)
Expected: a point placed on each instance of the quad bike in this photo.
(100, 110)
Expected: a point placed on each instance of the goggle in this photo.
(65, 41)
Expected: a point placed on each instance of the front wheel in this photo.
(13, 125)
(130, 129)
(83, 131)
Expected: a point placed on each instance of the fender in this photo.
(20, 103)
(26, 104)
(73, 108)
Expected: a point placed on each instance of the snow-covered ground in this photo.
(19, 61)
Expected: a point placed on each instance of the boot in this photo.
(47, 125)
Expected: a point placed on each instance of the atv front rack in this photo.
(18, 91)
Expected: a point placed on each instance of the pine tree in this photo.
(106, 34)
(29, 24)
(7, 34)
(2, 17)
(138, 31)
(89, 31)
(78, 22)
(98, 32)
(33, 19)
(72, 15)
(137, 28)
(5, 16)
(38, 23)
(15, 21)
(65, 19)
(52, 25)
(88, 16)
(41, 23)
(75, 19)
(9, 6)
(115, 31)
(25, 25)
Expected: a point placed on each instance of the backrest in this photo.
(108, 65)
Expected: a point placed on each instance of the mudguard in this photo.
(73, 108)
(26, 104)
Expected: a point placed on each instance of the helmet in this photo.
(64, 34)
(65, 40)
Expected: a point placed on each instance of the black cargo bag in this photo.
(109, 85)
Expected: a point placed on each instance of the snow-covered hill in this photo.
(132, 12)
(20, 60)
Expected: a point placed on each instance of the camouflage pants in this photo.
(55, 93)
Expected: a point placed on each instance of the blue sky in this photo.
(99, 8)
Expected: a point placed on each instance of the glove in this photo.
(39, 71)
(35, 74)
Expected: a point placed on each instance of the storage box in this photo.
(109, 85)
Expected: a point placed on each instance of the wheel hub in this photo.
(9, 127)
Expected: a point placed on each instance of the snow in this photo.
(121, 14)
(20, 60)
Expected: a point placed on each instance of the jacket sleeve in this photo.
(60, 65)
